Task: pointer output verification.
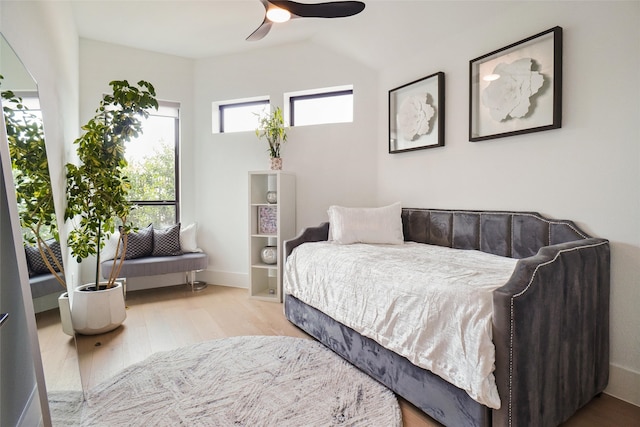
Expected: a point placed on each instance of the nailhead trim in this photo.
(511, 327)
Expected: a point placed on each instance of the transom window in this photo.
(321, 107)
(238, 116)
(308, 107)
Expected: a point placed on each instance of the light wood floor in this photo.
(168, 318)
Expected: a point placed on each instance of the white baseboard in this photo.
(234, 280)
(624, 384)
(47, 302)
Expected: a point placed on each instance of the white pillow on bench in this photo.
(188, 242)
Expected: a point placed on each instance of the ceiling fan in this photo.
(277, 11)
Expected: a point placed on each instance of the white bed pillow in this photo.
(366, 225)
(188, 241)
(109, 250)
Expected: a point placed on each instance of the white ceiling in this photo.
(385, 31)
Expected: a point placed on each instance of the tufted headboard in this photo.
(510, 234)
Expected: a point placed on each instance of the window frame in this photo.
(221, 106)
(176, 166)
(330, 93)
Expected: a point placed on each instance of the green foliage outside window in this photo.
(152, 178)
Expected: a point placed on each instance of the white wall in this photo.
(333, 164)
(587, 171)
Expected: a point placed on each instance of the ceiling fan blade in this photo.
(336, 9)
(261, 31)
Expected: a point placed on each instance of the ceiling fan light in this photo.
(276, 14)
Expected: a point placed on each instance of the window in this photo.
(239, 115)
(153, 169)
(329, 106)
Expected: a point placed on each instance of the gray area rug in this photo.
(239, 381)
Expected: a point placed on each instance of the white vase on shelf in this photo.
(272, 197)
(269, 255)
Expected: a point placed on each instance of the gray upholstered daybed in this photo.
(550, 320)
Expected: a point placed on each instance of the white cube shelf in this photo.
(270, 224)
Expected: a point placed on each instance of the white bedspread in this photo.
(430, 304)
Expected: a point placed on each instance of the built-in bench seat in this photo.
(44, 284)
(188, 263)
(45, 289)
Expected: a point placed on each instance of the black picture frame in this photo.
(528, 100)
(416, 114)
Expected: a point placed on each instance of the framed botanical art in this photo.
(517, 89)
(416, 114)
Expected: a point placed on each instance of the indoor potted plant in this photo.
(97, 202)
(272, 127)
(30, 168)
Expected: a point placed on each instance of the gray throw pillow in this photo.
(36, 263)
(140, 243)
(166, 242)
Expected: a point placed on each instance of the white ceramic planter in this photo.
(97, 312)
(65, 314)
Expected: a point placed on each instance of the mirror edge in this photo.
(23, 274)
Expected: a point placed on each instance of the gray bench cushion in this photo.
(44, 284)
(151, 266)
